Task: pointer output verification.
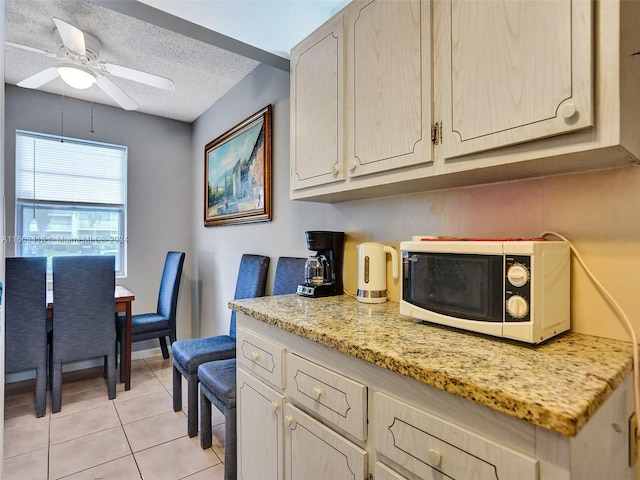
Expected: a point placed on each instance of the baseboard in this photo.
(73, 366)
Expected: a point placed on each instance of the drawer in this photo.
(328, 395)
(260, 357)
(430, 447)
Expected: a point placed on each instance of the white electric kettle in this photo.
(372, 271)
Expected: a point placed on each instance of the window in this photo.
(70, 198)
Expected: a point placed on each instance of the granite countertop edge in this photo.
(557, 385)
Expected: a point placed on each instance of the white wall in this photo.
(158, 188)
(217, 250)
(2, 254)
(598, 211)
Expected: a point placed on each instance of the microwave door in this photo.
(464, 286)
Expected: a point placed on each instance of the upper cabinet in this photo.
(389, 86)
(317, 107)
(434, 94)
(361, 97)
(511, 72)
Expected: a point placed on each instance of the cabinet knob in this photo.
(275, 406)
(255, 356)
(353, 166)
(336, 169)
(569, 110)
(317, 393)
(290, 420)
(434, 457)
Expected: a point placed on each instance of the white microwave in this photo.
(515, 288)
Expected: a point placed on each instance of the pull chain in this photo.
(91, 130)
(62, 114)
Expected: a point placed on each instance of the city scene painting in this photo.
(238, 173)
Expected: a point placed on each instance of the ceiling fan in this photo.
(82, 68)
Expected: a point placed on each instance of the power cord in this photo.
(621, 314)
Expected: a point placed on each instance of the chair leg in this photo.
(205, 422)
(163, 347)
(41, 391)
(123, 366)
(177, 390)
(56, 387)
(230, 444)
(192, 404)
(110, 360)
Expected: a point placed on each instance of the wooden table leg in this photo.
(127, 347)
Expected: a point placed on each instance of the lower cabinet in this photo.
(385, 473)
(315, 452)
(430, 447)
(260, 432)
(307, 412)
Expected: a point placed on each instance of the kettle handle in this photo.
(394, 260)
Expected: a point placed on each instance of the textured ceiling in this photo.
(201, 72)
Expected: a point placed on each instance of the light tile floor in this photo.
(135, 436)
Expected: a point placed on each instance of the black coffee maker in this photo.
(323, 271)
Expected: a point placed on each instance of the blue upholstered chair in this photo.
(26, 346)
(289, 274)
(218, 378)
(189, 354)
(161, 323)
(218, 386)
(83, 319)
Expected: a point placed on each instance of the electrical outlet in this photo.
(633, 440)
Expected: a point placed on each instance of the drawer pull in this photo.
(255, 356)
(435, 457)
(290, 420)
(317, 393)
(275, 406)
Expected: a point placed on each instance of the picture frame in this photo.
(237, 173)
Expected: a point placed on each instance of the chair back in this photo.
(169, 287)
(251, 282)
(83, 313)
(289, 274)
(25, 313)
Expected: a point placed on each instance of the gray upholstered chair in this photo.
(289, 274)
(161, 323)
(83, 317)
(26, 346)
(189, 354)
(218, 387)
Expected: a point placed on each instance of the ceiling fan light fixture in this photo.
(76, 77)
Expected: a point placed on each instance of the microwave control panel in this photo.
(517, 288)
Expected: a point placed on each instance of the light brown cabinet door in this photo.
(511, 71)
(317, 107)
(389, 85)
(260, 434)
(315, 452)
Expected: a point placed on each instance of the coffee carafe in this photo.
(323, 271)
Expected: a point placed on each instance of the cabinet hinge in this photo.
(436, 133)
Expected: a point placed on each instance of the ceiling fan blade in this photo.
(116, 93)
(39, 79)
(72, 37)
(139, 76)
(31, 49)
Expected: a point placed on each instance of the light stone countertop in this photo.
(557, 385)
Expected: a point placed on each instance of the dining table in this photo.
(123, 299)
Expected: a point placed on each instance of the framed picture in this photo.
(237, 173)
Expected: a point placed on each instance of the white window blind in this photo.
(70, 198)
(70, 171)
